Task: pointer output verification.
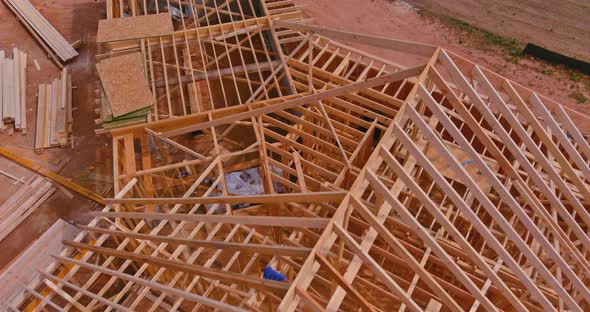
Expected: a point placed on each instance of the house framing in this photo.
(441, 186)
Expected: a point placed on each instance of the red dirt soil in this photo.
(400, 20)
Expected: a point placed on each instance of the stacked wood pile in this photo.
(51, 40)
(13, 91)
(24, 202)
(126, 97)
(35, 258)
(54, 113)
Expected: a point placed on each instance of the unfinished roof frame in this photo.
(442, 186)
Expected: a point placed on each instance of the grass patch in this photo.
(574, 76)
(548, 72)
(511, 47)
(462, 25)
(578, 96)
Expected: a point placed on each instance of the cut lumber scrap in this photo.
(36, 256)
(52, 176)
(137, 27)
(42, 30)
(37, 66)
(16, 76)
(54, 113)
(13, 177)
(125, 84)
(22, 204)
(40, 128)
(8, 103)
(13, 90)
(2, 56)
(22, 67)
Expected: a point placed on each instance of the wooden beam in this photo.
(318, 197)
(287, 251)
(214, 74)
(251, 281)
(226, 219)
(52, 176)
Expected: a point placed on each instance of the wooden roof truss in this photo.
(442, 186)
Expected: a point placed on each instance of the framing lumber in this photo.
(367, 185)
(52, 176)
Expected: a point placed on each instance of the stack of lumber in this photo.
(24, 202)
(54, 113)
(125, 94)
(35, 258)
(51, 40)
(108, 121)
(13, 90)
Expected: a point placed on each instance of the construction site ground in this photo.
(89, 161)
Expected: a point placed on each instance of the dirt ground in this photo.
(91, 156)
(401, 20)
(561, 26)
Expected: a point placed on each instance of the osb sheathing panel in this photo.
(134, 27)
(124, 83)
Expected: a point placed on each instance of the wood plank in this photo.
(52, 176)
(32, 31)
(226, 219)
(317, 197)
(262, 249)
(42, 30)
(16, 105)
(125, 84)
(135, 27)
(8, 111)
(23, 92)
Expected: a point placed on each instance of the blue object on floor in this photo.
(468, 162)
(270, 274)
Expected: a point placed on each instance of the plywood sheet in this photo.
(136, 27)
(124, 82)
